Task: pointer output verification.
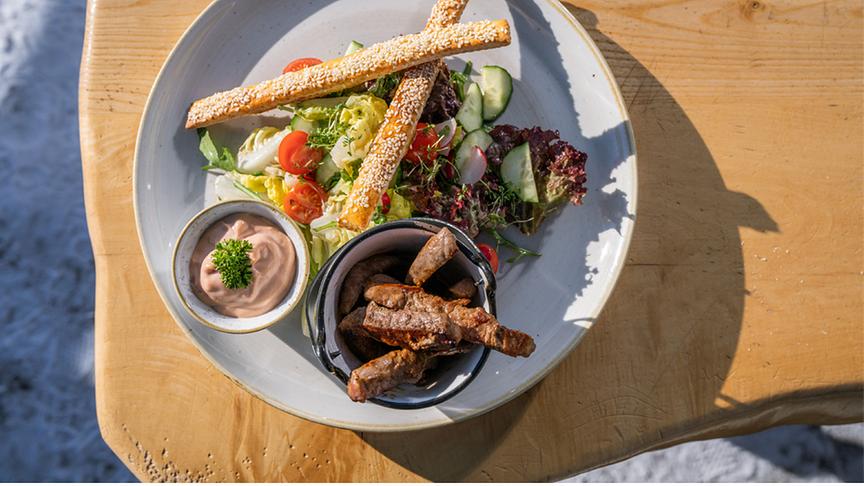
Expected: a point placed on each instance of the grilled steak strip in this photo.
(397, 296)
(415, 330)
(364, 346)
(393, 369)
(378, 279)
(400, 296)
(387, 372)
(437, 251)
(473, 325)
(353, 284)
(353, 322)
(463, 289)
(478, 326)
(392, 296)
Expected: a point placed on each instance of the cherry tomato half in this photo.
(490, 255)
(423, 148)
(302, 63)
(304, 202)
(385, 203)
(295, 157)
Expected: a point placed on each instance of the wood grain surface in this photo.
(740, 307)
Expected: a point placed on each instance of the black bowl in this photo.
(406, 236)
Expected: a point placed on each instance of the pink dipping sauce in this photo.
(273, 266)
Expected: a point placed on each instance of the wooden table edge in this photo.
(808, 407)
(738, 422)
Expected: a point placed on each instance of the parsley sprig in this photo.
(231, 259)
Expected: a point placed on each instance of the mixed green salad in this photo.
(460, 167)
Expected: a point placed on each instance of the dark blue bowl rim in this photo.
(318, 329)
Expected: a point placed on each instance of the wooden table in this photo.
(740, 307)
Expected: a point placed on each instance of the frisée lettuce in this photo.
(362, 115)
(260, 150)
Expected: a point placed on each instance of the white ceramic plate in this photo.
(561, 81)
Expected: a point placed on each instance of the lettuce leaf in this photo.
(400, 207)
(219, 157)
(385, 85)
(260, 150)
(460, 80)
(273, 188)
(363, 114)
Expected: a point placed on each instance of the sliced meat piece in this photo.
(395, 368)
(379, 279)
(352, 286)
(364, 346)
(463, 289)
(398, 296)
(471, 324)
(387, 372)
(392, 296)
(415, 330)
(435, 253)
(353, 322)
(478, 326)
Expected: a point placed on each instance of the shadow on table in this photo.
(686, 246)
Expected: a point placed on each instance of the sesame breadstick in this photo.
(396, 54)
(388, 147)
(396, 133)
(446, 12)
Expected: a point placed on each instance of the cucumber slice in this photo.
(302, 124)
(353, 47)
(326, 170)
(497, 89)
(517, 171)
(477, 138)
(470, 116)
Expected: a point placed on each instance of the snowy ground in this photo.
(47, 414)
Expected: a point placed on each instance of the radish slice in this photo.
(474, 167)
(446, 130)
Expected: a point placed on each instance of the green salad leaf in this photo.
(219, 157)
(378, 217)
(385, 85)
(318, 113)
(460, 80)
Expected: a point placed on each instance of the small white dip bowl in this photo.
(187, 241)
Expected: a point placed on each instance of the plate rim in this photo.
(617, 268)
